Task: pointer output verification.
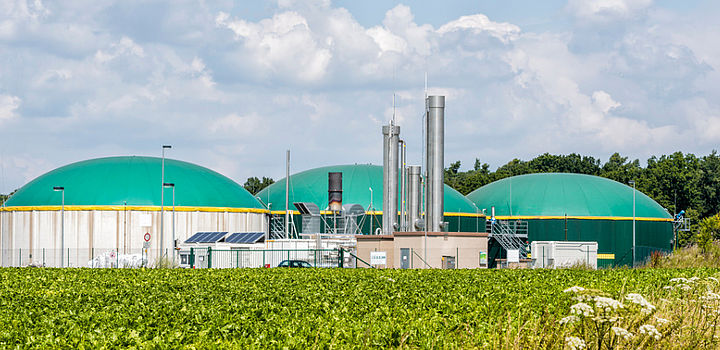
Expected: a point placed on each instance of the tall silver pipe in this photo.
(391, 135)
(403, 187)
(435, 163)
(414, 196)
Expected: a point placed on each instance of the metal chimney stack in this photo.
(391, 135)
(335, 191)
(414, 195)
(435, 163)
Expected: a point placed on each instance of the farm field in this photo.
(323, 308)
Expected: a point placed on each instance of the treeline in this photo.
(677, 181)
(255, 185)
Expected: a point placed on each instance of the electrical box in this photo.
(559, 254)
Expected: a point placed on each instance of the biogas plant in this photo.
(144, 211)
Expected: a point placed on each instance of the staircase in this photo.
(510, 234)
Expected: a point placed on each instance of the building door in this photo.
(404, 258)
(448, 262)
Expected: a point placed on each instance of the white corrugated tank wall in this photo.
(33, 237)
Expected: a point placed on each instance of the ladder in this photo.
(512, 235)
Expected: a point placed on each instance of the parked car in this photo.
(294, 263)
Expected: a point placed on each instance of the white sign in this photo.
(513, 256)
(378, 258)
(145, 220)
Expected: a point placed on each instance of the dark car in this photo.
(294, 263)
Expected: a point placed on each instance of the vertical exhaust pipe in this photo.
(335, 191)
(391, 135)
(435, 163)
(414, 196)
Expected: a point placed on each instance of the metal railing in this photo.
(85, 257)
(512, 235)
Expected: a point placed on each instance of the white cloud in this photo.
(606, 10)
(480, 23)
(125, 46)
(282, 45)
(8, 105)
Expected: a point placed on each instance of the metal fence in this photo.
(244, 258)
(91, 257)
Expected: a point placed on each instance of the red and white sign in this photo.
(147, 237)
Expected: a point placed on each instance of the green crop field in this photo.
(310, 308)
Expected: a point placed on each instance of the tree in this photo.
(708, 231)
(255, 185)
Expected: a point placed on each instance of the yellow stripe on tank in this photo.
(562, 217)
(135, 208)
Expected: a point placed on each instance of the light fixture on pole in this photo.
(162, 197)
(632, 182)
(62, 224)
(172, 185)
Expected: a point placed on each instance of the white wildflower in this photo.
(710, 296)
(638, 299)
(569, 319)
(650, 330)
(575, 343)
(713, 279)
(679, 279)
(693, 279)
(583, 297)
(623, 333)
(575, 289)
(662, 321)
(683, 286)
(582, 309)
(607, 304)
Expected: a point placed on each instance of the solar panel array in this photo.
(206, 237)
(245, 237)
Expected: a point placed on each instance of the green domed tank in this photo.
(576, 207)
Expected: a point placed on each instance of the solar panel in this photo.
(206, 237)
(245, 237)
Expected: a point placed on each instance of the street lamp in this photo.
(632, 182)
(162, 198)
(371, 207)
(62, 224)
(172, 185)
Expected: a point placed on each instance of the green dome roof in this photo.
(133, 181)
(560, 194)
(312, 186)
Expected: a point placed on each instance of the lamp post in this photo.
(162, 198)
(371, 207)
(62, 224)
(172, 185)
(632, 182)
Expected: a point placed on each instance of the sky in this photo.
(232, 85)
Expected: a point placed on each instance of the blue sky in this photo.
(232, 85)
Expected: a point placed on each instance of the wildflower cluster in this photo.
(596, 318)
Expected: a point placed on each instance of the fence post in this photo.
(209, 257)
(191, 258)
(43, 257)
(263, 258)
(20, 257)
(342, 257)
(68, 255)
(412, 258)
